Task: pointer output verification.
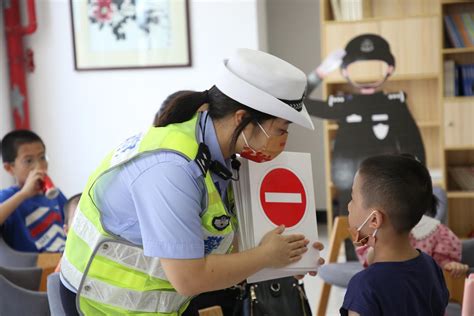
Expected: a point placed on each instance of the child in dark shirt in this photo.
(390, 194)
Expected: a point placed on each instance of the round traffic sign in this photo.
(283, 197)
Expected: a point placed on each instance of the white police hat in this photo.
(265, 83)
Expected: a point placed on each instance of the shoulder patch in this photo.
(221, 222)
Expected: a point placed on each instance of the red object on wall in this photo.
(18, 59)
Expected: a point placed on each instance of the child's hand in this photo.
(456, 269)
(319, 246)
(32, 185)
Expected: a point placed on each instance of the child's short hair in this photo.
(13, 140)
(400, 185)
(73, 199)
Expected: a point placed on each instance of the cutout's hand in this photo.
(330, 63)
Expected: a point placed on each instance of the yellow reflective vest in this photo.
(112, 275)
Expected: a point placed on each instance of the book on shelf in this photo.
(463, 177)
(274, 193)
(449, 78)
(336, 10)
(458, 79)
(351, 10)
(460, 29)
(466, 80)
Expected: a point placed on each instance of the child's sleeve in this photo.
(360, 298)
(447, 248)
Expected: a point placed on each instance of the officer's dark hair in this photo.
(13, 140)
(67, 206)
(184, 106)
(169, 101)
(400, 185)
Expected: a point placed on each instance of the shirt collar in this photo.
(211, 139)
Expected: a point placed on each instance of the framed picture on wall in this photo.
(124, 34)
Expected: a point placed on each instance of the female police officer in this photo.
(156, 223)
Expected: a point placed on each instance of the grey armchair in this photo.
(16, 300)
(12, 258)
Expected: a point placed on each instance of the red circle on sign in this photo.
(283, 197)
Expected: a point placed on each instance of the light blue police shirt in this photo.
(156, 200)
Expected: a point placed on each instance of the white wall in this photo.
(5, 113)
(82, 115)
(294, 35)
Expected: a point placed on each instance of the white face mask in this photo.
(355, 233)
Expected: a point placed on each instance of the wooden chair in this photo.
(339, 234)
(47, 262)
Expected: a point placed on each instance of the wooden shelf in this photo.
(459, 148)
(455, 1)
(461, 194)
(423, 124)
(444, 122)
(459, 99)
(380, 19)
(463, 50)
(395, 77)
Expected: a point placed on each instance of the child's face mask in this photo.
(357, 240)
(273, 147)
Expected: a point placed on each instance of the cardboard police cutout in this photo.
(370, 123)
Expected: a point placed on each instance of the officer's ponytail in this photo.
(180, 107)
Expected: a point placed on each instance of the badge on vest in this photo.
(221, 222)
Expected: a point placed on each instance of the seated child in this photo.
(29, 221)
(69, 211)
(390, 194)
(434, 239)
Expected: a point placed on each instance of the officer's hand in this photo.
(282, 250)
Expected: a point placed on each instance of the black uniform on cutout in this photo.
(369, 124)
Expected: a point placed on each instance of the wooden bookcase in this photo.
(414, 30)
(458, 131)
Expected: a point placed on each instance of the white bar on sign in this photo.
(278, 197)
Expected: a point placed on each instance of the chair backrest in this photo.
(339, 233)
(442, 209)
(54, 295)
(16, 259)
(15, 300)
(467, 256)
(27, 278)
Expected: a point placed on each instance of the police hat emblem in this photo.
(221, 222)
(367, 46)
